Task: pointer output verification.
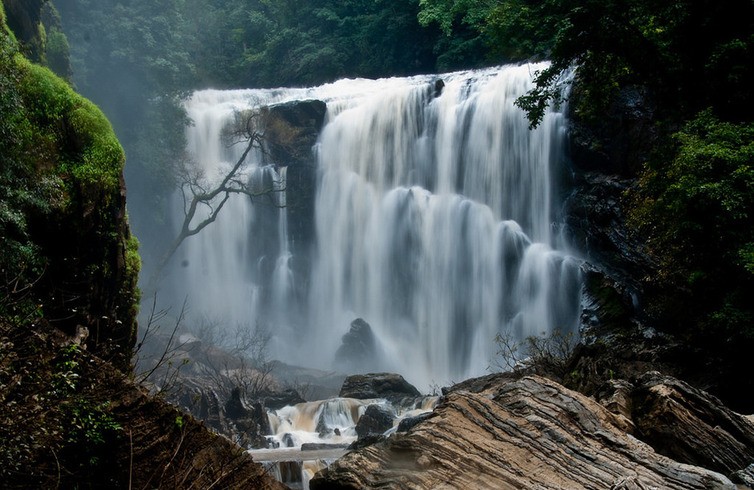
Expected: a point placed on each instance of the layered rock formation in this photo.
(507, 433)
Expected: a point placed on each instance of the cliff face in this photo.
(68, 255)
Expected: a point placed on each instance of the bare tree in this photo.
(157, 356)
(235, 359)
(547, 354)
(203, 200)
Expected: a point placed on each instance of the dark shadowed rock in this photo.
(378, 385)
(519, 433)
(409, 423)
(359, 347)
(691, 426)
(376, 420)
(366, 441)
(291, 130)
(744, 477)
(235, 408)
(316, 446)
(275, 400)
(622, 140)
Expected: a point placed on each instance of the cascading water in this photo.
(434, 213)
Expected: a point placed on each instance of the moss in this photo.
(4, 29)
(102, 157)
(63, 225)
(133, 266)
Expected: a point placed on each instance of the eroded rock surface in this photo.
(525, 433)
(691, 426)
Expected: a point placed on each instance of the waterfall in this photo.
(434, 214)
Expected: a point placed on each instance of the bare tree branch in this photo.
(198, 194)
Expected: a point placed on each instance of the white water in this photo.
(434, 219)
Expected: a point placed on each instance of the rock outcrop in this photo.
(378, 385)
(375, 421)
(291, 129)
(516, 433)
(358, 349)
(690, 425)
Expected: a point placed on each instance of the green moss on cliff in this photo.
(65, 248)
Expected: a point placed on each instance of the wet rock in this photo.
(291, 130)
(518, 433)
(315, 446)
(408, 423)
(276, 400)
(366, 441)
(376, 420)
(287, 440)
(378, 385)
(438, 87)
(358, 348)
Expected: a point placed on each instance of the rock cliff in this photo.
(507, 433)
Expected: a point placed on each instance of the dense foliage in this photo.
(695, 205)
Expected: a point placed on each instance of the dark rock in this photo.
(596, 224)
(254, 429)
(288, 440)
(378, 385)
(235, 408)
(291, 130)
(366, 441)
(408, 423)
(744, 477)
(275, 400)
(321, 427)
(358, 348)
(691, 426)
(524, 433)
(620, 144)
(376, 420)
(439, 86)
(314, 446)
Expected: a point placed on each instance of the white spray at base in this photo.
(435, 217)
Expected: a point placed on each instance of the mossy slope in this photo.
(67, 253)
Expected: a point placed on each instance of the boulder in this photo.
(275, 400)
(518, 433)
(291, 130)
(389, 386)
(358, 348)
(235, 408)
(376, 420)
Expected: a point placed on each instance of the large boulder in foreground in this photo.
(516, 433)
(378, 385)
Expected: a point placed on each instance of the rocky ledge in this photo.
(503, 432)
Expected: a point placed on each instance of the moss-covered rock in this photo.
(67, 253)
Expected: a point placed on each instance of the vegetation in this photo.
(62, 226)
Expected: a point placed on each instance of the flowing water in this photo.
(435, 218)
